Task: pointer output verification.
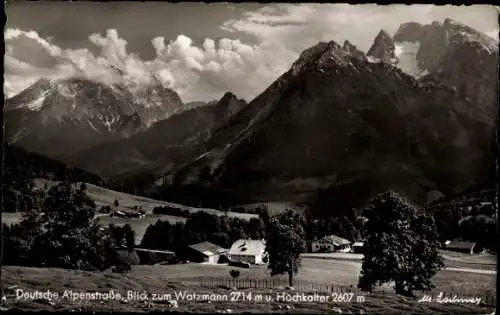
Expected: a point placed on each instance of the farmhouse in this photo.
(249, 251)
(331, 243)
(206, 252)
(464, 247)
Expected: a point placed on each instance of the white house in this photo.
(249, 251)
(330, 244)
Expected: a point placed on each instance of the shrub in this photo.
(234, 273)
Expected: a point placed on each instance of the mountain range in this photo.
(54, 117)
(416, 113)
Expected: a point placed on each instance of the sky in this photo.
(200, 50)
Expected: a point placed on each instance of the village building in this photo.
(464, 247)
(154, 256)
(118, 213)
(207, 252)
(249, 251)
(357, 247)
(330, 244)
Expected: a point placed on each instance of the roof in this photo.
(126, 256)
(335, 240)
(208, 249)
(460, 244)
(247, 247)
(154, 251)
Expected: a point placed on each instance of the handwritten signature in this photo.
(441, 298)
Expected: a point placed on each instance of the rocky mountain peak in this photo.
(231, 103)
(32, 97)
(410, 32)
(460, 33)
(228, 96)
(353, 50)
(453, 54)
(382, 48)
(326, 55)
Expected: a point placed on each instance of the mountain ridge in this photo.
(165, 141)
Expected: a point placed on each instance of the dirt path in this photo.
(476, 271)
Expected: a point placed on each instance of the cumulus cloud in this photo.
(207, 71)
(196, 73)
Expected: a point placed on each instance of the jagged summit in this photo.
(353, 50)
(231, 102)
(383, 35)
(382, 48)
(33, 96)
(453, 54)
(460, 33)
(448, 33)
(228, 96)
(327, 55)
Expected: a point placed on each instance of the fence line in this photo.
(276, 283)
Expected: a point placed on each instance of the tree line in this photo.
(470, 217)
(200, 227)
(224, 230)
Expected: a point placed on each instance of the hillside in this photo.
(338, 127)
(128, 203)
(20, 164)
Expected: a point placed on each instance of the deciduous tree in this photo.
(401, 246)
(285, 243)
(68, 220)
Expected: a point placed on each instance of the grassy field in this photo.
(458, 260)
(175, 278)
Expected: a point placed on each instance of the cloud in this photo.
(300, 26)
(493, 34)
(196, 73)
(207, 71)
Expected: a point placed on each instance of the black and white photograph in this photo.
(288, 158)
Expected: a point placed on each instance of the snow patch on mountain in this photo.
(65, 91)
(37, 103)
(406, 53)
